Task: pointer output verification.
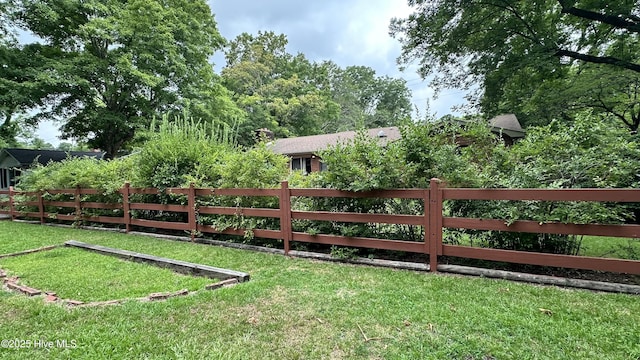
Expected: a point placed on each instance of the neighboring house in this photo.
(14, 161)
(508, 127)
(303, 150)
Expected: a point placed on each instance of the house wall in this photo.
(315, 164)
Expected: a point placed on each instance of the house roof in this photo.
(26, 157)
(315, 143)
(508, 124)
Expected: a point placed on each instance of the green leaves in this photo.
(590, 153)
(293, 97)
(116, 64)
(522, 57)
(275, 88)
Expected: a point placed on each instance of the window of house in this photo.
(296, 164)
(300, 163)
(307, 165)
(323, 166)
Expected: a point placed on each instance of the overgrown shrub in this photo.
(591, 152)
(361, 165)
(184, 152)
(177, 153)
(106, 176)
(588, 153)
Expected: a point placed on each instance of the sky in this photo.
(348, 32)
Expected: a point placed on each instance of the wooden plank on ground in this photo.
(175, 265)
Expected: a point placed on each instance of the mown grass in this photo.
(596, 246)
(82, 275)
(301, 309)
(613, 247)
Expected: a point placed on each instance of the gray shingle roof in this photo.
(315, 143)
(507, 122)
(27, 156)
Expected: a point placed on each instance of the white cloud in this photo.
(367, 31)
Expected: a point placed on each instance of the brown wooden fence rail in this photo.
(432, 220)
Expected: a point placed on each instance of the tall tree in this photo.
(292, 96)
(275, 88)
(365, 99)
(26, 82)
(514, 48)
(607, 90)
(117, 63)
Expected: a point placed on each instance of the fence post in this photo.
(41, 206)
(285, 215)
(125, 207)
(435, 223)
(77, 201)
(12, 209)
(192, 211)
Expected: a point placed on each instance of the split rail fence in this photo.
(432, 220)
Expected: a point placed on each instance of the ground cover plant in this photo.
(86, 276)
(296, 308)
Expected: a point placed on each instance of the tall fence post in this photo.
(285, 215)
(125, 207)
(12, 209)
(192, 211)
(76, 198)
(41, 206)
(427, 221)
(435, 223)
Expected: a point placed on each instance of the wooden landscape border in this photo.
(179, 266)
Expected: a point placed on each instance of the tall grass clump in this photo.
(176, 150)
(182, 151)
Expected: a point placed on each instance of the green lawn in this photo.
(597, 246)
(301, 309)
(614, 247)
(86, 276)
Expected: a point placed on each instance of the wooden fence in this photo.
(432, 220)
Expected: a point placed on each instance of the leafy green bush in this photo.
(257, 167)
(588, 153)
(106, 176)
(361, 165)
(177, 153)
(591, 152)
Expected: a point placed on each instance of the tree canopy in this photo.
(365, 99)
(274, 87)
(520, 50)
(292, 96)
(106, 68)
